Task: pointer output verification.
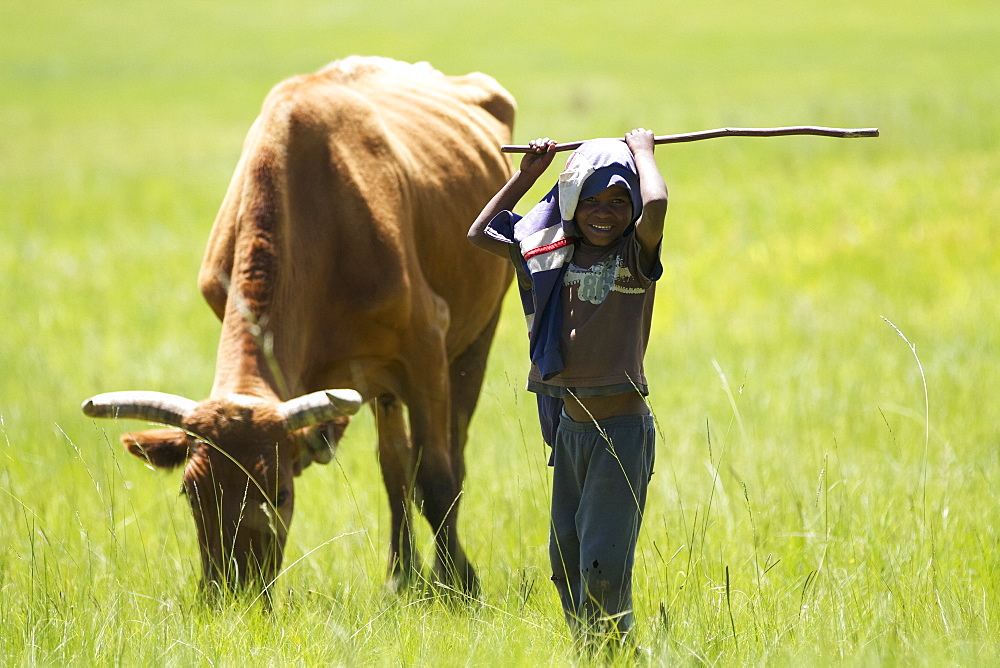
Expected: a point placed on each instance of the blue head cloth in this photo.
(592, 168)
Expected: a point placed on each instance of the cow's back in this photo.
(353, 194)
(444, 133)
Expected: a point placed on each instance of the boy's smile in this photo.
(605, 216)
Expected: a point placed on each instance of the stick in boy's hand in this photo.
(728, 132)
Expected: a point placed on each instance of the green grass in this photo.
(806, 507)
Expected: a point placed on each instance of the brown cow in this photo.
(339, 259)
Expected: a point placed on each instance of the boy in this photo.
(587, 257)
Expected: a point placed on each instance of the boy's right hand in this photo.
(533, 164)
(536, 161)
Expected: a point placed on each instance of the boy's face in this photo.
(605, 216)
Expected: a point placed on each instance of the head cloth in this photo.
(597, 165)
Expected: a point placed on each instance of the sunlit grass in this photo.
(811, 504)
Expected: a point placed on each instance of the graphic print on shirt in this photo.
(598, 281)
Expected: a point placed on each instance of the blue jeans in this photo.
(600, 476)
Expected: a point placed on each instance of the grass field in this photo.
(824, 365)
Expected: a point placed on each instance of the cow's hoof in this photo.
(462, 583)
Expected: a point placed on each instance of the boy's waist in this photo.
(586, 391)
(634, 420)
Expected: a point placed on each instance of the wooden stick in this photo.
(727, 132)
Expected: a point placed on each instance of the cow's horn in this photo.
(168, 409)
(321, 406)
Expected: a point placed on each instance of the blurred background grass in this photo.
(122, 123)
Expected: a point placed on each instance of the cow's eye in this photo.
(282, 497)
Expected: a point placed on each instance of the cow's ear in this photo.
(163, 448)
(319, 442)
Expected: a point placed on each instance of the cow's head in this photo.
(242, 455)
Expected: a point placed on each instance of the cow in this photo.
(339, 259)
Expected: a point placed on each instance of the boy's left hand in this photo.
(649, 227)
(640, 140)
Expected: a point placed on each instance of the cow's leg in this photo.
(440, 491)
(396, 460)
(429, 400)
(467, 371)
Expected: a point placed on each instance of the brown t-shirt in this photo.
(607, 308)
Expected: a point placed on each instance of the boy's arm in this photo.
(533, 165)
(649, 227)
